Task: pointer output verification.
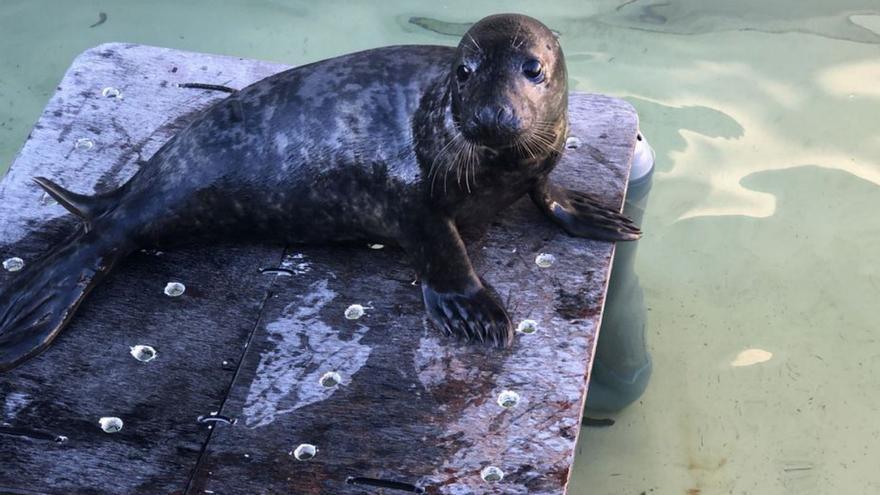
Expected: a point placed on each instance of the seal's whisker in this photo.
(457, 163)
(545, 128)
(545, 132)
(544, 140)
(474, 166)
(448, 163)
(467, 166)
(474, 163)
(538, 146)
(479, 49)
(463, 163)
(524, 146)
(520, 142)
(546, 125)
(529, 147)
(517, 145)
(543, 147)
(539, 150)
(451, 163)
(515, 37)
(433, 173)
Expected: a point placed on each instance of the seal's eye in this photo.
(463, 72)
(533, 70)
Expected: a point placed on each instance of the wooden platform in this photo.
(235, 386)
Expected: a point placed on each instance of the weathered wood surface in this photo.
(413, 407)
(89, 373)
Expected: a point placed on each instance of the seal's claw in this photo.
(582, 215)
(587, 217)
(472, 316)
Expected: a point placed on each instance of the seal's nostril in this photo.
(485, 116)
(492, 118)
(506, 120)
(483, 120)
(492, 123)
(472, 125)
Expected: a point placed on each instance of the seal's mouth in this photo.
(491, 146)
(489, 152)
(480, 144)
(483, 149)
(532, 143)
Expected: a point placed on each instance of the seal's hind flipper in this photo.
(42, 298)
(78, 204)
(81, 205)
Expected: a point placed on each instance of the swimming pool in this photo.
(759, 262)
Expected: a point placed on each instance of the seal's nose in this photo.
(493, 123)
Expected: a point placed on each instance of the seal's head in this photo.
(509, 84)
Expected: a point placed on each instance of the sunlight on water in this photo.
(759, 261)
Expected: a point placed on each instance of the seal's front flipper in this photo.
(43, 297)
(582, 215)
(456, 300)
(474, 315)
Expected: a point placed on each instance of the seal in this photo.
(401, 145)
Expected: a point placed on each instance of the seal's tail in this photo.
(43, 297)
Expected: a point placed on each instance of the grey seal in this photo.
(401, 145)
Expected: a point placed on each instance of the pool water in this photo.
(760, 264)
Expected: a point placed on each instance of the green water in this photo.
(762, 230)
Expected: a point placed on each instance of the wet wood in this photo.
(413, 409)
(89, 372)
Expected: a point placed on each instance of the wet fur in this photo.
(365, 146)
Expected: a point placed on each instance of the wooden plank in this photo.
(412, 406)
(89, 372)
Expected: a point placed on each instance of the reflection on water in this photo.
(835, 20)
(622, 364)
(760, 227)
